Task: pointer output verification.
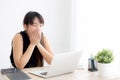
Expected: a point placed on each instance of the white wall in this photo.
(97, 27)
(57, 23)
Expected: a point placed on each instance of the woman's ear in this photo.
(41, 25)
(25, 26)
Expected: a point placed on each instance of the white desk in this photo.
(76, 75)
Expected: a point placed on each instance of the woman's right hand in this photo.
(35, 37)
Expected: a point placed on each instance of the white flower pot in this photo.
(105, 69)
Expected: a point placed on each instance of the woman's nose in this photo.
(38, 28)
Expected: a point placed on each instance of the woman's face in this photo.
(36, 26)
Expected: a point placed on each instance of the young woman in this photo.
(30, 47)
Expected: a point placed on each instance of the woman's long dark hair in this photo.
(28, 20)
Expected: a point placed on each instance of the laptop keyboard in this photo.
(44, 73)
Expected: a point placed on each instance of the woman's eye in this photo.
(34, 25)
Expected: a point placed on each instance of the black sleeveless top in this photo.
(33, 60)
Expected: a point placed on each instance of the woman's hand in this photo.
(35, 37)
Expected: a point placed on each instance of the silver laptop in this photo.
(62, 63)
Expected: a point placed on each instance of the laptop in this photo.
(62, 63)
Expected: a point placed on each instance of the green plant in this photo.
(104, 56)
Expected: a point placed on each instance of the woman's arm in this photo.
(21, 59)
(46, 51)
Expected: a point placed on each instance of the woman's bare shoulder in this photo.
(17, 37)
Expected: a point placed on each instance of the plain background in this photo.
(98, 27)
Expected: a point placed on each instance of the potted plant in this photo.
(104, 60)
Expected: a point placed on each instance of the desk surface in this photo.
(76, 75)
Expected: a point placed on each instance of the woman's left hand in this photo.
(38, 35)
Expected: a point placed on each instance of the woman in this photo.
(30, 47)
